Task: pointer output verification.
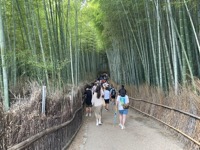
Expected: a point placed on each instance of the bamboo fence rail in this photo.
(36, 137)
(164, 106)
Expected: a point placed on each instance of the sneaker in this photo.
(90, 114)
(86, 115)
(100, 123)
(97, 124)
(123, 127)
(106, 109)
(120, 125)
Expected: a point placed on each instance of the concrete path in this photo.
(141, 133)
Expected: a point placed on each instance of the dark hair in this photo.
(98, 91)
(122, 86)
(88, 86)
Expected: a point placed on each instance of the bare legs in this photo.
(88, 111)
(122, 120)
(98, 114)
(106, 106)
(112, 102)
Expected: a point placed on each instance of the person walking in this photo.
(98, 103)
(88, 101)
(121, 100)
(106, 97)
(112, 95)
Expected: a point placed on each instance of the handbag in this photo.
(126, 106)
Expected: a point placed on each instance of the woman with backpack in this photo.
(112, 95)
(122, 100)
(88, 103)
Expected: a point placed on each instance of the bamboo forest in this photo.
(51, 50)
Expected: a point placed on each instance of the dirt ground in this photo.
(141, 133)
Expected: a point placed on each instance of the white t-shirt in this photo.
(121, 101)
(106, 94)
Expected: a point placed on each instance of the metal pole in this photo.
(43, 98)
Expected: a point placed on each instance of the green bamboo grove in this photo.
(55, 42)
(155, 42)
(50, 41)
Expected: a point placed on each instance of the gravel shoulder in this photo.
(141, 133)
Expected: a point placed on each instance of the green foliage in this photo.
(91, 25)
(40, 34)
(141, 32)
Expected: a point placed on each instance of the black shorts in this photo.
(107, 101)
(113, 97)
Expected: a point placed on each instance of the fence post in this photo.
(43, 99)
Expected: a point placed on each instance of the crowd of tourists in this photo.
(102, 95)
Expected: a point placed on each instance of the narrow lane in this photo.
(141, 133)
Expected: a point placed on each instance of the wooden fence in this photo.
(162, 117)
(29, 129)
(54, 138)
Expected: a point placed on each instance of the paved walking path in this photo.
(141, 133)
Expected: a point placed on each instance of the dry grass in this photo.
(25, 119)
(2, 129)
(186, 101)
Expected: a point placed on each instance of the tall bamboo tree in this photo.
(4, 76)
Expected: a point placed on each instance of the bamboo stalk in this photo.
(3, 65)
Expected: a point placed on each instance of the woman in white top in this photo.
(98, 103)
